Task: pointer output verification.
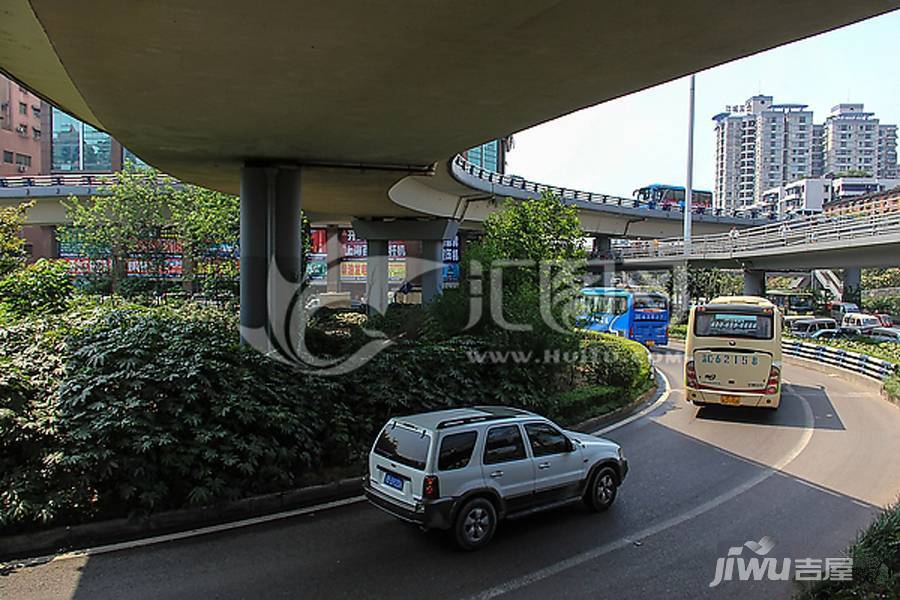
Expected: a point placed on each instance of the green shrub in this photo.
(580, 404)
(892, 387)
(678, 332)
(617, 361)
(876, 563)
(42, 287)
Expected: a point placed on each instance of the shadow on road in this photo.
(825, 416)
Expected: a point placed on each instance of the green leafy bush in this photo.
(42, 287)
(617, 361)
(892, 387)
(876, 564)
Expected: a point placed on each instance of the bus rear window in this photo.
(404, 446)
(650, 302)
(733, 325)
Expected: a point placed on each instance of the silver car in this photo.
(465, 469)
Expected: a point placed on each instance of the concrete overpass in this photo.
(241, 96)
(869, 240)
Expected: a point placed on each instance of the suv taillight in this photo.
(430, 487)
(772, 385)
(690, 374)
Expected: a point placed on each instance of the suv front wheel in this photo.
(475, 524)
(602, 491)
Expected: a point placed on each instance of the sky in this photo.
(621, 145)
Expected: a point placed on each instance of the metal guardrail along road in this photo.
(837, 357)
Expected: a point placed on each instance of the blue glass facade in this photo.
(77, 146)
(486, 156)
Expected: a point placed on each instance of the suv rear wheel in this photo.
(475, 524)
(602, 491)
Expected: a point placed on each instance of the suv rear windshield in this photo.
(404, 446)
(733, 325)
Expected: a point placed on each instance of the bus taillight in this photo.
(691, 374)
(774, 376)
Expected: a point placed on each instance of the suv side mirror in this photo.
(570, 445)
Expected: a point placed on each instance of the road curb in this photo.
(116, 531)
(62, 539)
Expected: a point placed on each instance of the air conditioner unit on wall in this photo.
(21, 168)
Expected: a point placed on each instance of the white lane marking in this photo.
(159, 539)
(863, 504)
(579, 559)
(662, 398)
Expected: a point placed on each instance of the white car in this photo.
(465, 469)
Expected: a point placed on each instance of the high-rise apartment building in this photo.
(761, 145)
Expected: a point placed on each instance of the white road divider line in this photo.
(667, 390)
(579, 559)
(159, 539)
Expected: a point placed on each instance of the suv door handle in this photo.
(496, 474)
(544, 465)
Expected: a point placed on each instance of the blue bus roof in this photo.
(679, 188)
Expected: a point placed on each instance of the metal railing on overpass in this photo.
(517, 182)
(68, 180)
(864, 364)
(795, 233)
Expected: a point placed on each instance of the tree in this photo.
(126, 222)
(12, 244)
(546, 236)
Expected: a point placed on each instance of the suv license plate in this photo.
(393, 481)
(731, 400)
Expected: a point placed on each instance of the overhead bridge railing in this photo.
(787, 234)
(864, 364)
(69, 180)
(531, 187)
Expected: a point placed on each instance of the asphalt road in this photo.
(808, 476)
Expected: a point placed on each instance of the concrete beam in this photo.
(754, 283)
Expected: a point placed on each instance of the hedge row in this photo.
(113, 409)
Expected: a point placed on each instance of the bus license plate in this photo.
(731, 400)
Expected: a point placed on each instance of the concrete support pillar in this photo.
(377, 275)
(270, 235)
(754, 282)
(432, 280)
(333, 258)
(852, 280)
(602, 254)
(681, 298)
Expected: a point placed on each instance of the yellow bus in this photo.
(733, 353)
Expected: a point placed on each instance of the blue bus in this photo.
(639, 316)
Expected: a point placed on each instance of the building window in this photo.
(23, 160)
(36, 111)
(36, 133)
(7, 157)
(96, 149)
(77, 146)
(130, 157)
(23, 108)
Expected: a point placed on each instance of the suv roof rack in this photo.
(470, 420)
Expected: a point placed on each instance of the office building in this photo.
(21, 130)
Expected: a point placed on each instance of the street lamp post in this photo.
(689, 187)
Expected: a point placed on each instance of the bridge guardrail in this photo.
(514, 181)
(69, 180)
(785, 234)
(864, 364)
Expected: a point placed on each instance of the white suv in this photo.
(464, 469)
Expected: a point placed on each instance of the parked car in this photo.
(829, 334)
(884, 334)
(859, 323)
(839, 309)
(886, 320)
(806, 327)
(465, 469)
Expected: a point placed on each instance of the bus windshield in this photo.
(734, 325)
